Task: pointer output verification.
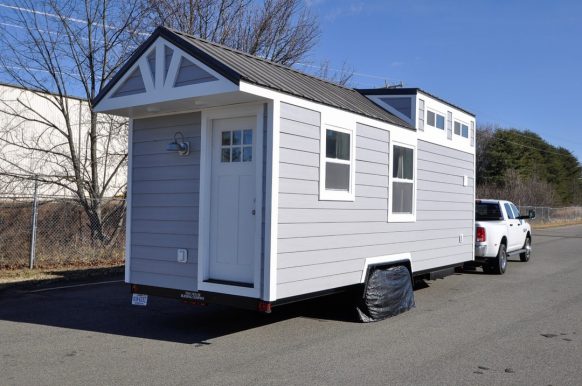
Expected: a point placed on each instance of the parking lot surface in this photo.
(524, 327)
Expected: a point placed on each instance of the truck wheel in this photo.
(500, 264)
(524, 256)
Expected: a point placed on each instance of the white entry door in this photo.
(233, 201)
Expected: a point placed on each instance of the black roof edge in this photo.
(408, 91)
(179, 42)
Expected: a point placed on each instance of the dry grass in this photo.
(64, 237)
(556, 224)
(42, 276)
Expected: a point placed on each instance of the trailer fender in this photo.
(385, 261)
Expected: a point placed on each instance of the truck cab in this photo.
(501, 231)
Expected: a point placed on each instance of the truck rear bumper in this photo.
(480, 251)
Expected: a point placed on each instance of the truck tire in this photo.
(500, 262)
(524, 256)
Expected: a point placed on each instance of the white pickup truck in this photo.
(501, 231)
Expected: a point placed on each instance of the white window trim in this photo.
(337, 195)
(402, 217)
(461, 129)
(435, 119)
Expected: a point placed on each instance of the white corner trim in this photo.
(128, 201)
(272, 204)
(406, 256)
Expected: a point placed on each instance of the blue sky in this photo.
(513, 63)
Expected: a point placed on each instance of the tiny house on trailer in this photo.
(253, 184)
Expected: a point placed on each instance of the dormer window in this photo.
(461, 129)
(435, 120)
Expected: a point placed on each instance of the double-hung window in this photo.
(435, 120)
(337, 165)
(402, 201)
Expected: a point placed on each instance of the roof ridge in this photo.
(257, 58)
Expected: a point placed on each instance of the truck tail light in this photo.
(481, 235)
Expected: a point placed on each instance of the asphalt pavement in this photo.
(522, 328)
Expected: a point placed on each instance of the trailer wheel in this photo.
(500, 264)
(524, 256)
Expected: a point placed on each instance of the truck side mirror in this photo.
(531, 214)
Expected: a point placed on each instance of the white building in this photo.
(34, 141)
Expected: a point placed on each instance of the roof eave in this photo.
(179, 42)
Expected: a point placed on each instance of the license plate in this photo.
(139, 300)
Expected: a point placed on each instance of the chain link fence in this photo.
(548, 215)
(55, 232)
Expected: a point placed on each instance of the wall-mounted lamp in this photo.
(179, 145)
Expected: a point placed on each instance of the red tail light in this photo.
(481, 235)
(264, 307)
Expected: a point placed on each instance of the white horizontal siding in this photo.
(165, 195)
(323, 244)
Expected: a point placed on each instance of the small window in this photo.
(337, 168)
(440, 122)
(509, 212)
(236, 146)
(337, 163)
(515, 211)
(461, 129)
(435, 120)
(430, 118)
(402, 181)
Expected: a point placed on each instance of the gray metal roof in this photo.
(290, 81)
(236, 66)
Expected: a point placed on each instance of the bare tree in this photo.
(342, 76)
(521, 190)
(282, 31)
(54, 49)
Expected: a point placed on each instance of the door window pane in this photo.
(225, 155)
(337, 145)
(236, 154)
(247, 154)
(248, 137)
(236, 137)
(225, 138)
(403, 163)
(337, 176)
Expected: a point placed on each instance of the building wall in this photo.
(164, 202)
(435, 135)
(323, 244)
(26, 137)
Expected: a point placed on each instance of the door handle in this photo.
(253, 212)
